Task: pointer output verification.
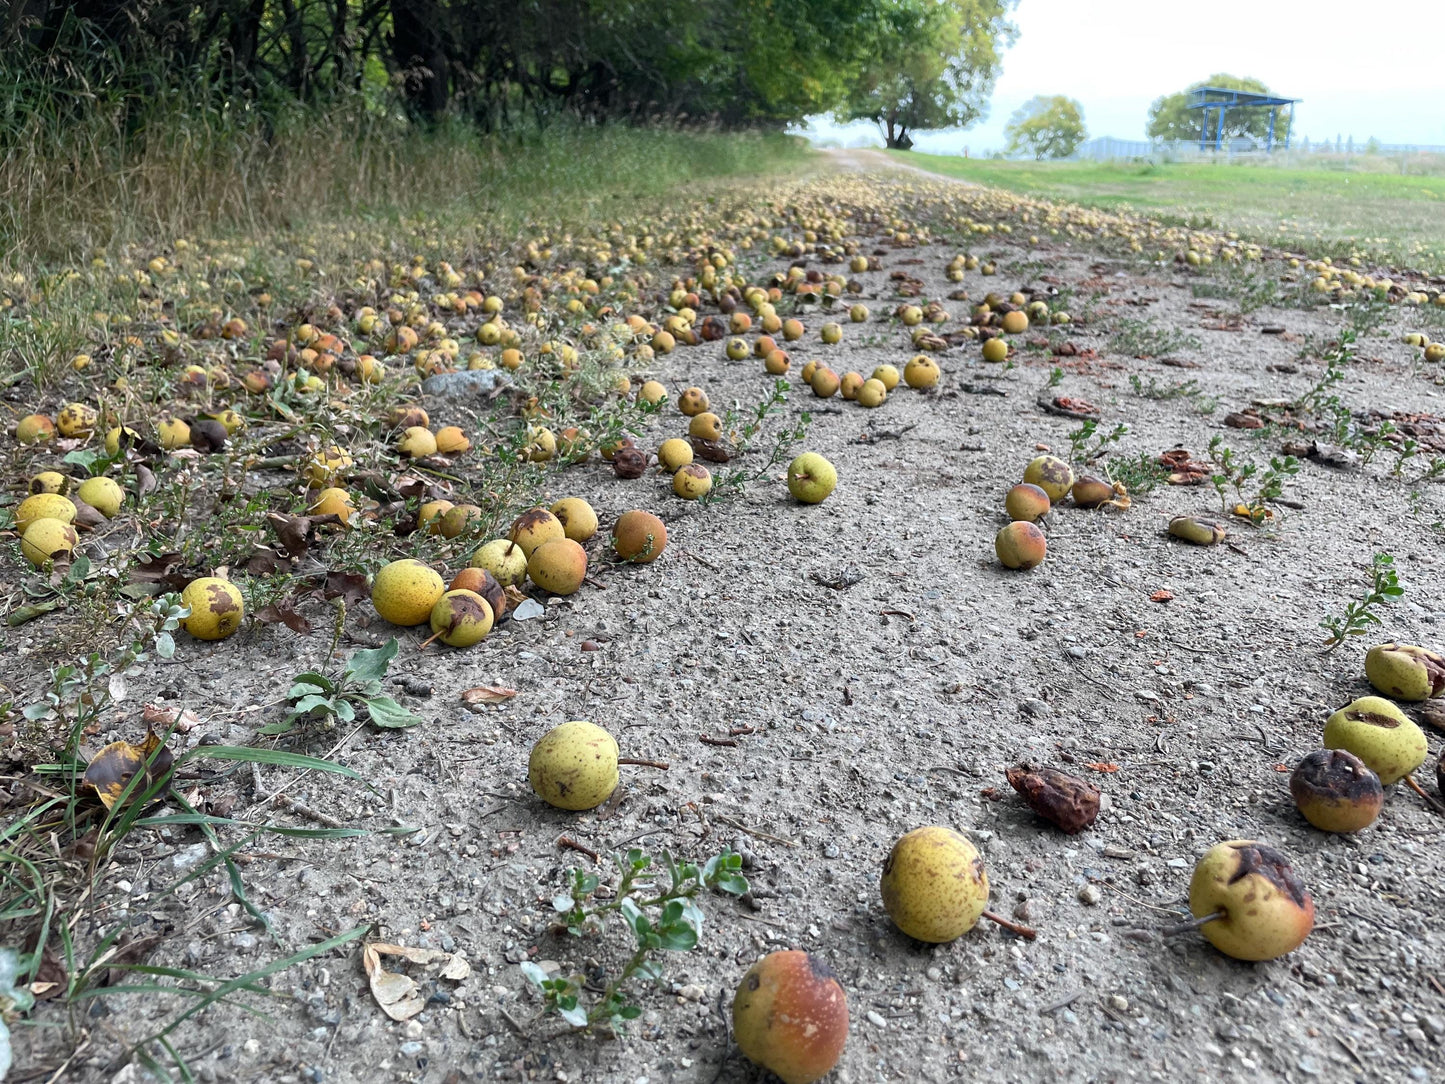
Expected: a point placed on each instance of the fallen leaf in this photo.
(1061, 799)
(1243, 420)
(1160, 596)
(282, 613)
(1102, 766)
(399, 995)
(182, 719)
(487, 694)
(348, 586)
(111, 770)
(155, 568)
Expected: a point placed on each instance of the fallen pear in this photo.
(1261, 909)
(1197, 530)
(1381, 735)
(934, 885)
(1336, 791)
(1405, 672)
(574, 766)
(790, 1016)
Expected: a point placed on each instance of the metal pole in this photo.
(1269, 140)
(1290, 130)
(1219, 131)
(1203, 127)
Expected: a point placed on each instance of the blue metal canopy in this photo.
(1223, 98)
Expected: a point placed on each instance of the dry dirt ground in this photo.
(852, 714)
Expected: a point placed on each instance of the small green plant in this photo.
(1359, 616)
(325, 700)
(1056, 377)
(1138, 475)
(1236, 475)
(744, 429)
(1144, 339)
(1406, 450)
(1086, 444)
(1320, 398)
(659, 909)
(1153, 389)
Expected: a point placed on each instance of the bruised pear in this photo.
(1051, 474)
(1264, 910)
(1020, 545)
(1405, 672)
(1197, 530)
(1380, 734)
(790, 1016)
(461, 618)
(1336, 791)
(1089, 491)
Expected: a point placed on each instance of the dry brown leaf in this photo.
(181, 719)
(475, 697)
(398, 995)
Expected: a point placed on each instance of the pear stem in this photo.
(1193, 923)
(1431, 801)
(1028, 933)
(428, 641)
(661, 765)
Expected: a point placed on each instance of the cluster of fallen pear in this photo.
(790, 1013)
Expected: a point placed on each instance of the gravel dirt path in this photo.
(822, 679)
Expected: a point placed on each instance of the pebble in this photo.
(1117, 1003)
(244, 941)
(189, 857)
(1435, 1025)
(1309, 1067)
(410, 1049)
(464, 382)
(1034, 707)
(1077, 653)
(1090, 895)
(876, 1020)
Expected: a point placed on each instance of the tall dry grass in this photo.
(77, 175)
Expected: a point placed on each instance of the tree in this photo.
(1170, 117)
(1046, 127)
(928, 64)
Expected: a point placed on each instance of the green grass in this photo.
(1399, 219)
(72, 186)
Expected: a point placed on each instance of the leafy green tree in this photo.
(1046, 127)
(1170, 117)
(928, 64)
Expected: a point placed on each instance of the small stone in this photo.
(1077, 653)
(876, 1020)
(413, 1030)
(1435, 1025)
(1090, 895)
(189, 857)
(464, 382)
(1117, 1003)
(831, 851)
(1309, 1067)
(1035, 708)
(244, 941)
(410, 1049)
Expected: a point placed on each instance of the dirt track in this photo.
(860, 712)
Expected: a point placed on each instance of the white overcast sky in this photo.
(1360, 71)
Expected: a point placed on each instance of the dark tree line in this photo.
(498, 61)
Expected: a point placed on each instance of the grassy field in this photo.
(69, 189)
(1400, 219)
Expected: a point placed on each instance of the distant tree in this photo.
(929, 64)
(1046, 127)
(1170, 117)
